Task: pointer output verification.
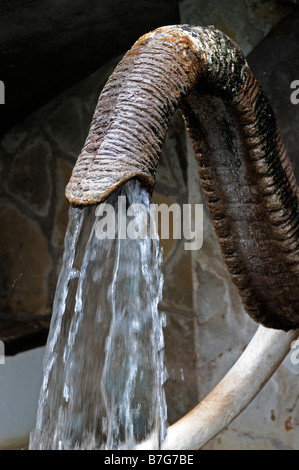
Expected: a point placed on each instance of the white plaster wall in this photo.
(20, 381)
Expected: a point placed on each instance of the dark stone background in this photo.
(48, 45)
(275, 63)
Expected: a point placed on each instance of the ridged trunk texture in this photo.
(244, 168)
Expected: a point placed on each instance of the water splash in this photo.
(104, 365)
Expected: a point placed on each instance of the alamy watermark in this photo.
(133, 222)
(2, 92)
(2, 353)
(294, 356)
(295, 93)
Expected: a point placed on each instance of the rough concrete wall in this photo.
(37, 158)
(48, 46)
(207, 328)
(245, 21)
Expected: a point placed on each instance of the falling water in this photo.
(103, 368)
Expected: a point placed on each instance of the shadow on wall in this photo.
(275, 64)
(47, 47)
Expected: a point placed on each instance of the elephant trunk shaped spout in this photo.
(244, 169)
(135, 107)
(246, 176)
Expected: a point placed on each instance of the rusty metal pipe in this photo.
(245, 172)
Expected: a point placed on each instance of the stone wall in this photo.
(207, 328)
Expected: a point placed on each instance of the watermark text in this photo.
(295, 93)
(294, 357)
(133, 222)
(2, 352)
(2, 92)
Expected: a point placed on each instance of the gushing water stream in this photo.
(104, 366)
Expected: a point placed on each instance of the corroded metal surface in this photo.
(245, 172)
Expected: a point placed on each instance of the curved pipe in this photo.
(246, 176)
(232, 395)
(245, 172)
